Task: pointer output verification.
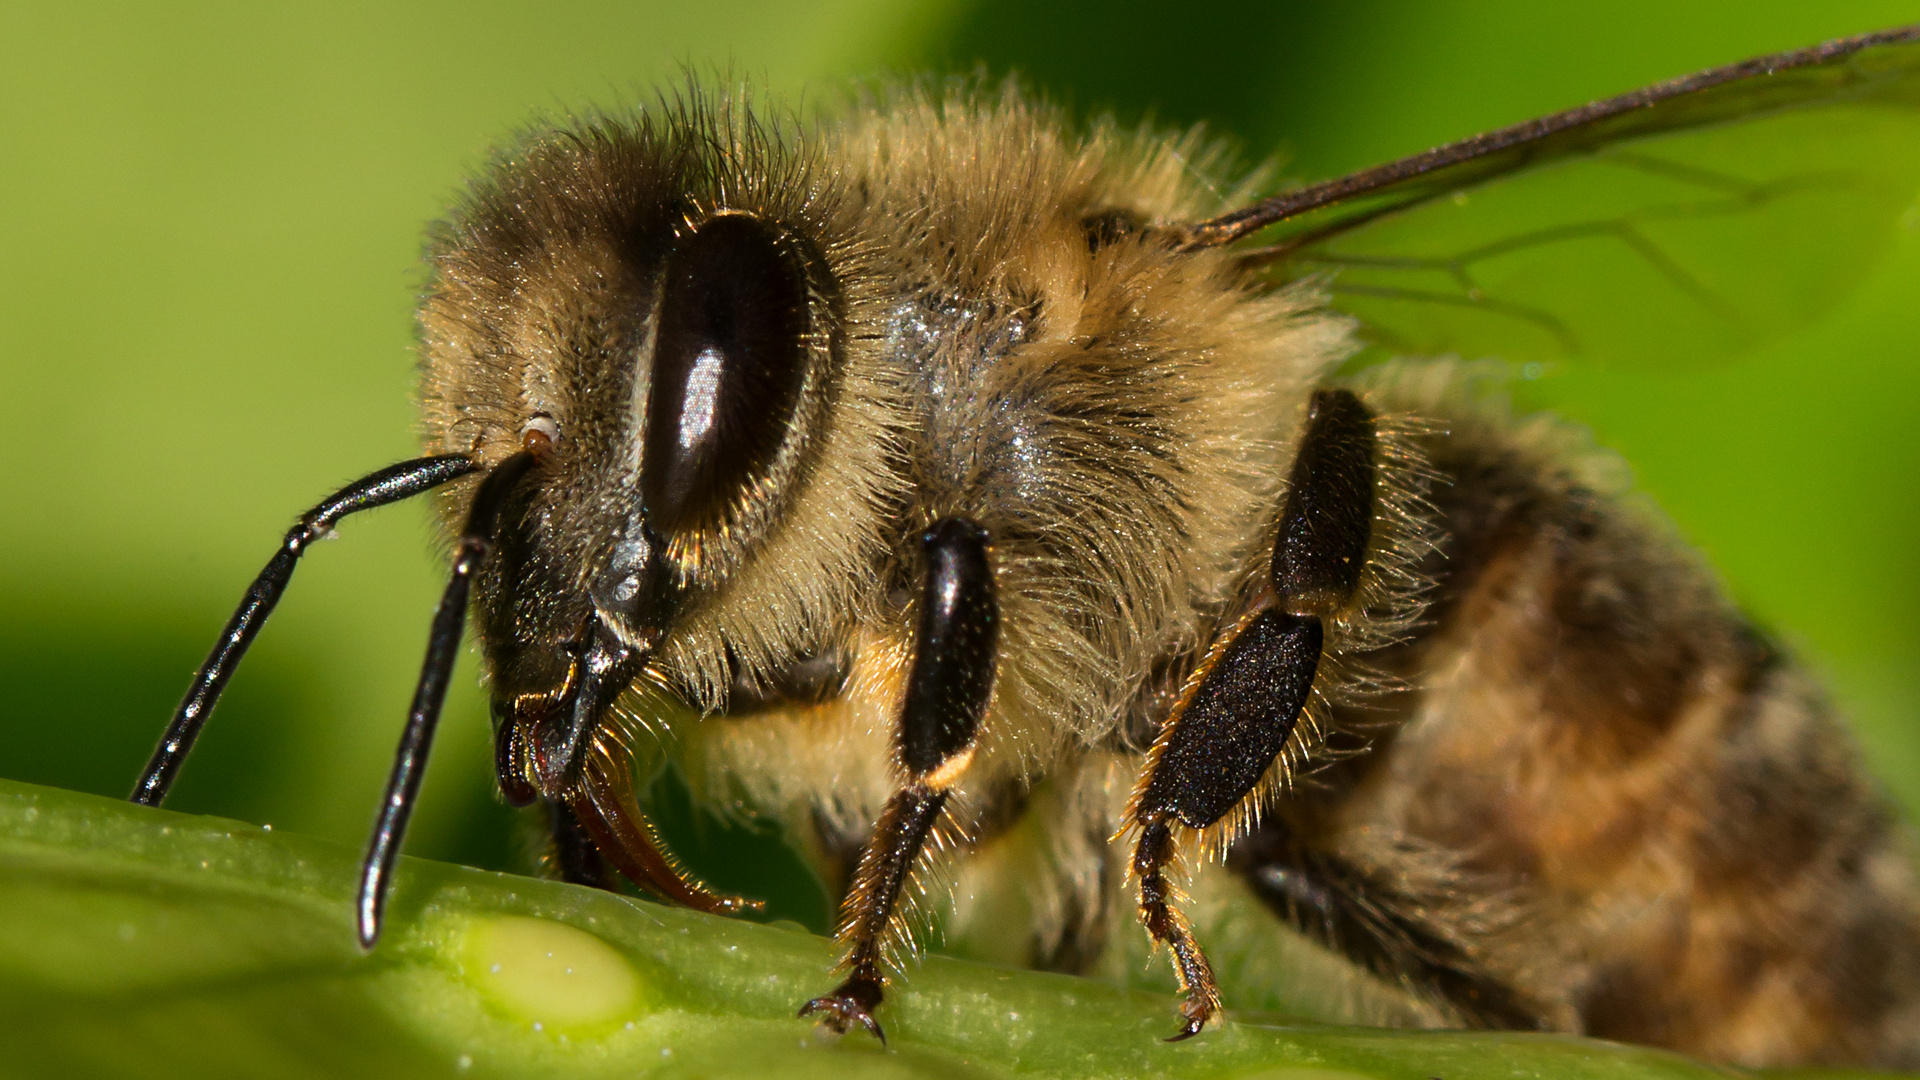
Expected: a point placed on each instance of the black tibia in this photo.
(1246, 698)
(1237, 721)
(391, 484)
(443, 646)
(1328, 523)
(1370, 923)
(575, 858)
(948, 689)
(952, 674)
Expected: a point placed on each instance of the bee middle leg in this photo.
(948, 688)
(1245, 700)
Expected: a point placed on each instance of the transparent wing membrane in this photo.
(1682, 225)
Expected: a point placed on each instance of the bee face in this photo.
(666, 318)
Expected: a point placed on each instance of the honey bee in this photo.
(1002, 501)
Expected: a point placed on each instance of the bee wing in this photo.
(1695, 219)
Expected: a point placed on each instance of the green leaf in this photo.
(145, 943)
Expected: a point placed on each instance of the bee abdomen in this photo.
(1629, 806)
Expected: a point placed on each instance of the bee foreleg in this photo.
(948, 688)
(1245, 699)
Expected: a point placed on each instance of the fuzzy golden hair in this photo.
(1541, 736)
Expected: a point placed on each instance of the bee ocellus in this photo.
(975, 489)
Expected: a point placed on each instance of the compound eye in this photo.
(730, 359)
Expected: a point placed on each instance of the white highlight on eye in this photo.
(696, 408)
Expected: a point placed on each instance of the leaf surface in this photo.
(140, 942)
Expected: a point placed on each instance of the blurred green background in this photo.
(210, 220)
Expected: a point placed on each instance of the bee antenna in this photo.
(443, 645)
(391, 484)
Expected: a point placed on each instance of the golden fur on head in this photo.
(539, 306)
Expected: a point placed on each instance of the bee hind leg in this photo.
(948, 687)
(1245, 699)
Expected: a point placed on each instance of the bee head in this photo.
(656, 306)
